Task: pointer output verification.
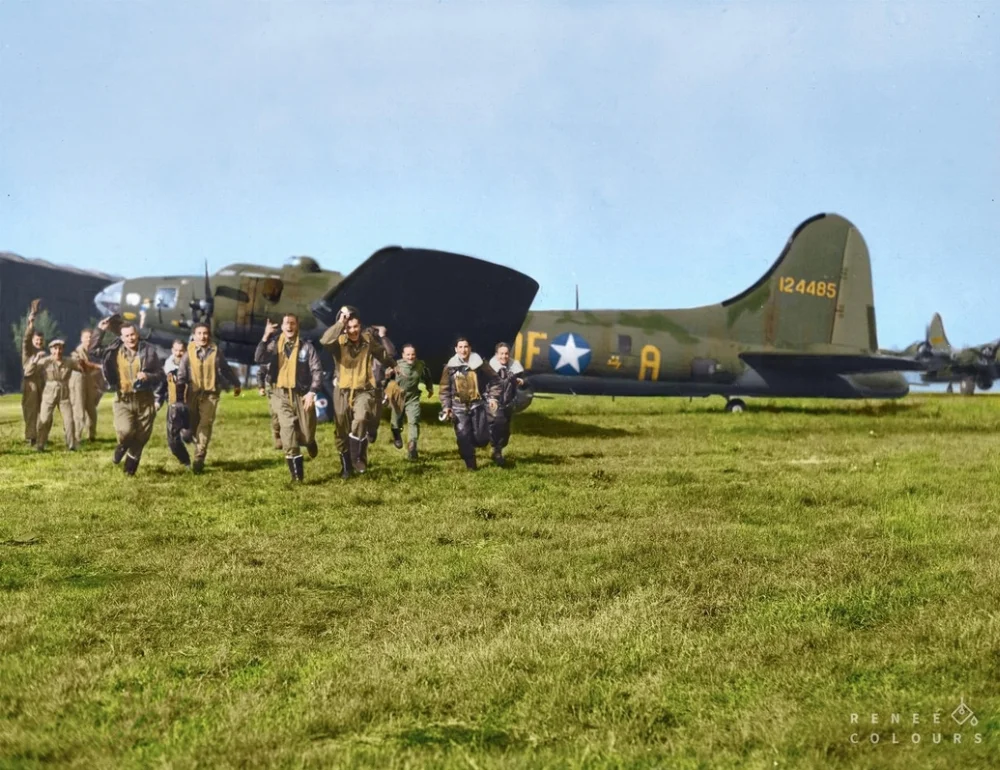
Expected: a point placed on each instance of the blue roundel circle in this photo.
(569, 354)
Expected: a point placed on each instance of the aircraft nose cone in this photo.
(109, 300)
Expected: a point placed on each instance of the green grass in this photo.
(651, 583)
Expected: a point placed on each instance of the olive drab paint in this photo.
(805, 328)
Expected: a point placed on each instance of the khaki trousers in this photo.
(352, 417)
(296, 424)
(31, 401)
(275, 425)
(54, 397)
(134, 414)
(83, 394)
(202, 407)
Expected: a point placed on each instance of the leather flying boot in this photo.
(312, 448)
(131, 464)
(362, 456)
(498, 457)
(118, 455)
(298, 467)
(354, 445)
(411, 449)
(290, 461)
(397, 438)
(345, 465)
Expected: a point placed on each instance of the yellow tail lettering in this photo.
(649, 362)
(533, 349)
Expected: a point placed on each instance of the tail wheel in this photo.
(736, 405)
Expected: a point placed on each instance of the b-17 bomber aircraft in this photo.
(972, 367)
(422, 296)
(805, 329)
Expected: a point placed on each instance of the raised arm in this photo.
(262, 355)
(266, 348)
(380, 354)
(330, 336)
(27, 349)
(95, 347)
(387, 343)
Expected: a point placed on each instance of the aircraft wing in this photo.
(429, 298)
(830, 363)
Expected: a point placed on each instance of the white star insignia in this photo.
(570, 354)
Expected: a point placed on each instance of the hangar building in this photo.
(66, 292)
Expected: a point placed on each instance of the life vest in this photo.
(354, 369)
(127, 370)
(203, 372)
(286, 365)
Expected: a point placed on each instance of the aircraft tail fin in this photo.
(818, 292)
(936, 337)
(430, 297)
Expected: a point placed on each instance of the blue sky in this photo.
(658, 154)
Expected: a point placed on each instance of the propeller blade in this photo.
(209, 300)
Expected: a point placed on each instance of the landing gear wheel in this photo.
(735, 405)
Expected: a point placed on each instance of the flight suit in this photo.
(378, 374)
(134, 407)
(201, 372)
(293, 370)
(499, 419)
(31, 385)
(408, 378)
(178, 417)
(56, 394)
(462, 389)
(84, 393)
(354, 392)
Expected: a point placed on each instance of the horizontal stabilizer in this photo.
(830, 363)
(428, 298)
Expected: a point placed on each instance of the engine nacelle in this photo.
(984, 382)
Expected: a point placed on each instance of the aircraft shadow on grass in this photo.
(868, 410)
(529, 424)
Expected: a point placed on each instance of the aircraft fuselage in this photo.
(668, 353)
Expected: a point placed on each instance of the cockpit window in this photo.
(165, 298)
(272, 289)
(305, 264)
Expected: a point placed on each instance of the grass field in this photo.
(651, 583)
